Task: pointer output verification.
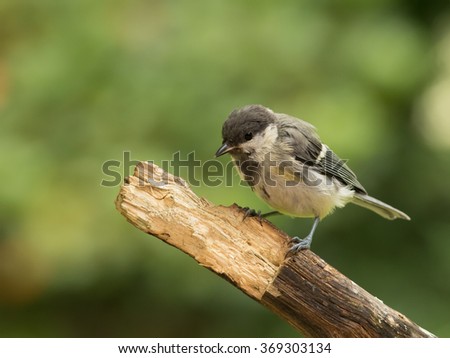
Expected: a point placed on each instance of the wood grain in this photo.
(304, 290)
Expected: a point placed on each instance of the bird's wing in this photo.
(309, 150)
(334, 166)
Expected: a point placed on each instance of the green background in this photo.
(83, 81)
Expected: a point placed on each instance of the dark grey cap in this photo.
(248, 120)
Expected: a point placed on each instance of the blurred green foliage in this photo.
(83, 81)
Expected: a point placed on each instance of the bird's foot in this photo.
(299, 244)
(252, 213)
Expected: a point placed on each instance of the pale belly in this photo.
(317, 199)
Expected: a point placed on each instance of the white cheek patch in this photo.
(265, 141)
(271, 134)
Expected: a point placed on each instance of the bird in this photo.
(286, 164)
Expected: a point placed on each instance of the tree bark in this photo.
(303, 289)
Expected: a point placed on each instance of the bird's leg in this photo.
(252, 212)
(270, 213)
(302, 244)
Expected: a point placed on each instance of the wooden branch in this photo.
(304, 290)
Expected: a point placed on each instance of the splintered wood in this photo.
(304, 290)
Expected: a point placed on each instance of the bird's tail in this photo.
(377, 206)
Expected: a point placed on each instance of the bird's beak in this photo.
(225, 148)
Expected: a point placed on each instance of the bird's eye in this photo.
(248, 136)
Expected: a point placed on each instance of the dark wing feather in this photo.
(332, 165)
(307, 147)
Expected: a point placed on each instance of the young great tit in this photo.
(285, 163)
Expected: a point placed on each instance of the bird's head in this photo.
(247, 129)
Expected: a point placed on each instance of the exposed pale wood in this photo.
(303, 289)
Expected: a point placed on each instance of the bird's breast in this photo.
(311, 195)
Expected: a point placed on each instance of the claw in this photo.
(295, 240)
(251, 213)
(302, 244)
(299, 244)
